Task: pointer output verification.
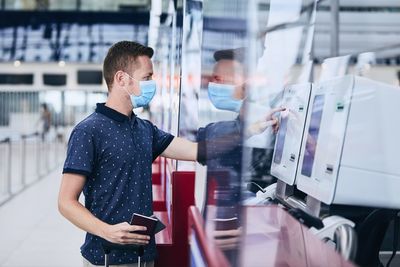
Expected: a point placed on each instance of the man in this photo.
(109, 159)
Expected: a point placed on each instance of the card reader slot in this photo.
(329, 168)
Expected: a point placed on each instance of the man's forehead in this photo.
(223, 64)
(144, 64)
(144, 60)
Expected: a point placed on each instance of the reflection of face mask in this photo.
(147, 92)
(221, 97)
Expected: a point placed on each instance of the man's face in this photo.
(228, 71)
(143, 71)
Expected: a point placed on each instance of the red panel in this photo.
(159, 206)
(158, 198)
(156, 178)
(158, 193)
(176, 254)
(156, 171)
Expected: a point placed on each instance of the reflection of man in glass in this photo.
(226, 87)
(226, 91)
(220, 147)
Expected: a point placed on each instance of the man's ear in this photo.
(119, 78)
(244, 87)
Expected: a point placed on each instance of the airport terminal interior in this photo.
(293, 107)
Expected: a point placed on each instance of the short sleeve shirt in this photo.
(220, 144)
(220, 148)
(115, 154)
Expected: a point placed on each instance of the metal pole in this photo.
(62, 112)
(54, 148)
(106, 260)
(47, 151)
(37, 148)
(9, 189)
(23, 168)
(39, 156)
(78, 5)
(334, 28)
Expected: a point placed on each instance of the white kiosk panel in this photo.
(350, 150)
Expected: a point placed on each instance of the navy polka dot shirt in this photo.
(115, 154)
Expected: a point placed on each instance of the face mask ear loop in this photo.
(134, 80)
(131, 77)
(129, 94)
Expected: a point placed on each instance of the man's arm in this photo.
(70, 207)
(181, 149)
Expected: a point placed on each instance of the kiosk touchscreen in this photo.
(290, 133)
(350, 149)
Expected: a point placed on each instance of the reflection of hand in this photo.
(311, 145)
(261, 125)
(227, 239)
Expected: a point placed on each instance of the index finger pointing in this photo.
(275, 110)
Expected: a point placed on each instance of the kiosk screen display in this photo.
(280, 140)
(312, 138)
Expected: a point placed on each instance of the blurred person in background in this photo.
(45, 119)
(109, 159)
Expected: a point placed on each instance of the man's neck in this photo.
(120, 103)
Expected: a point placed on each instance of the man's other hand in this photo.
(123, 234)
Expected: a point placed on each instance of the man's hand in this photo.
(227, 239)
(123, 234)
(261, 125)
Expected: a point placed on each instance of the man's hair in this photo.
(120, 57)
(237, 54)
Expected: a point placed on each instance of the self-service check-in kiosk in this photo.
(288, 142)
(290, 134)
(350, 152)
(348, 163)
(346, 154)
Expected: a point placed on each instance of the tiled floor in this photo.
(33, 233)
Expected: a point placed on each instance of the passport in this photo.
(152, 223)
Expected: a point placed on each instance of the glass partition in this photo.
(221, 94)
(347, 56)
(280, 37)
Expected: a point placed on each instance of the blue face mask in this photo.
(221, 95)
(147, 92)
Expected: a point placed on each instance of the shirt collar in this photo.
(112, 113)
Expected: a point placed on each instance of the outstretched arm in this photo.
(181, 149)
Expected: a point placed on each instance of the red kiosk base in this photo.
(172, 244)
